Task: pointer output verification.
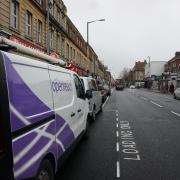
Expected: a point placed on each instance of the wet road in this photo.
(136, 137)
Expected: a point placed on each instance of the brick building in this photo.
(26, 22)
(138, 71)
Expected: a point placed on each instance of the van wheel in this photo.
(45, 171)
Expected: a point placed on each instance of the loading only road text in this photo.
(129, 148)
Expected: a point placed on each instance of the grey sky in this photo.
(133, 30)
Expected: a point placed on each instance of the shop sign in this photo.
(26, 43)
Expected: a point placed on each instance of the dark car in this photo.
(119, 87)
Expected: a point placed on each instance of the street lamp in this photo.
(49, 6)
(149, 60)
(88, 35)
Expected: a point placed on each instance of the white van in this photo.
(95, 102)
(43, 113)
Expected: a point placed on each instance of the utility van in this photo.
(43, 113)
(95, 102)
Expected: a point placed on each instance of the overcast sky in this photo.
(133, 30)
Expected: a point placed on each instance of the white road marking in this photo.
(117, 125)
(117, 115)
(144, 98)
(105, 101)
(117, 119)
(117, 146)
(118, 169)
(117, 133)
(156, 104)
(175, 113)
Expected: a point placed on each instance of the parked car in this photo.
(108, 89)
(95, 102)
(132, 86)
(43, 114)
(104, 93)
(177, 93)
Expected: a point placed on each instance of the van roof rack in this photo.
(6, 44)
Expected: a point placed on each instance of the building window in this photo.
(28, 24)
(14, 14)
(39, 1)
(51, 39)
(39, 31)
(74, 54)
(59, 43)
(71, 53)
(67, 51)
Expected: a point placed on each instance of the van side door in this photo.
(63, 98)
(81, 105)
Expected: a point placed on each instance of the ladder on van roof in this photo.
(6, 44)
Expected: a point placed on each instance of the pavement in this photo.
(136, 137)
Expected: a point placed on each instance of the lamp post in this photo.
(49, 6)
(88, 37)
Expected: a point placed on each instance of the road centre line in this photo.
(117, 146)
(118, 169)
(117, 125)
(156, 104)
(117, 119)
(117, 134)
(175, 113)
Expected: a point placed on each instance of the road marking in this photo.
(117, 119)
(175, 113)
(156, 104)
(117, 125)
(144, 98)
(128, 144)
(118, 169)
(105, 101)
(117, 133)
(116, 114)
(117, 146)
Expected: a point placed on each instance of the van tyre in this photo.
(45, 171)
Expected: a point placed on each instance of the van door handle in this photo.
(73, 114)
(79, 110)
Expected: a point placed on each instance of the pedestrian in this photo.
(171, 88)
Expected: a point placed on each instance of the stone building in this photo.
(24, 21)
(27, 23)
(138, 71)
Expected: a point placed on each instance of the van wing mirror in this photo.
(89, 94)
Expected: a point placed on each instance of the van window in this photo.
(79, 87)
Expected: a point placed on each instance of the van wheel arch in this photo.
(48, 165)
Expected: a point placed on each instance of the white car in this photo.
(95, 102)
(132, 87)
(177, 93)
